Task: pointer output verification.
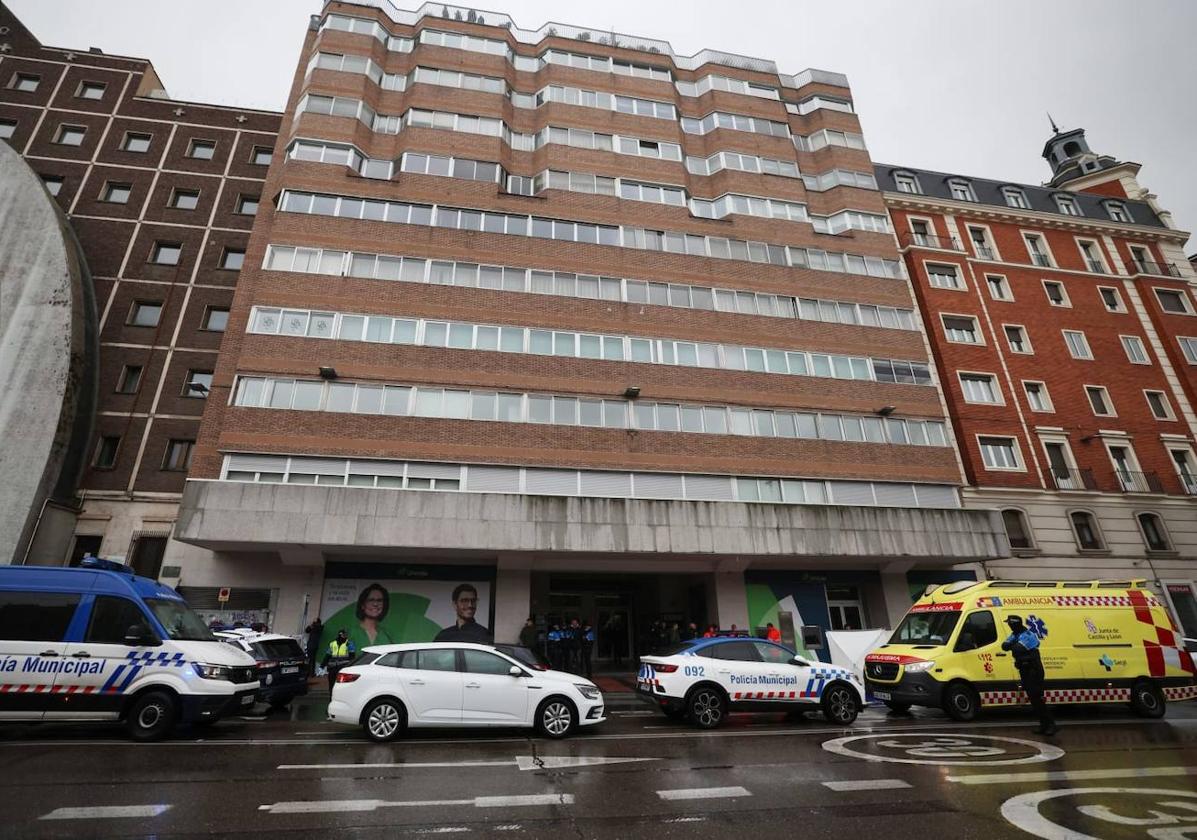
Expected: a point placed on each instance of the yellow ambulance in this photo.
(1101, 642)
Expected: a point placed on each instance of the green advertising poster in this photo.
(382, 604)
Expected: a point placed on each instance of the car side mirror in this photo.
(138, 635)
(515, 671)
(798, 660)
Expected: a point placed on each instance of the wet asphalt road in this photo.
(1106, 775)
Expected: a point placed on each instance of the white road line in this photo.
(703, 793)
(334, 805)
(523, 762)
(106, 812)
(528, 799)
(444, 829)
(398, 765)
(1072, 775)
(560, 762)
(866, 784)
(685, 819)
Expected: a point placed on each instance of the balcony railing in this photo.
(928, 240)
(1189, 483)
(1139, 482)
(1159, 269)
(1096, 267)
(984, 252)
(1040, 260)
(1073, 479)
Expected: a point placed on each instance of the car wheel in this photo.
(1147, 700)
(383, 720)
(152, 716)
(555, 718)
(961, 702)
(895, 706)
(839, 704)
(706, 707)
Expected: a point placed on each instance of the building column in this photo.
(896, 592)
(513, 597)
(731, 598)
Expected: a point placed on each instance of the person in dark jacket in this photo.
(314, 630)
(528, 634)
(587, 649)
(1024, 646)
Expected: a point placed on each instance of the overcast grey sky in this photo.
(954, 85)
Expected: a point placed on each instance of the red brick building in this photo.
(1062, 322)
(161, 196)
(637, 316)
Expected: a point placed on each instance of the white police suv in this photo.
(391, 687)
(703, 679)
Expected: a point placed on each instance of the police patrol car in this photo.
(98, 643)
(701, 680)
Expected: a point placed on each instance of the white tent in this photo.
(848, 648)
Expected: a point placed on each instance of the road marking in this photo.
(397, 764)
(444, 829)
(1072, 775)
(361, 805)
(685, 819)
(106, 812)
(1023, 811)
(949, 744)
(560, 762)
(866, 784)
(523, 762)
(703, 793)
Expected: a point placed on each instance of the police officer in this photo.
(573, 647)
(1024, 645)
(587, 648)
(340, 653)
(554, 645)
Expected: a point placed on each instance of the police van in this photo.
(98, 643)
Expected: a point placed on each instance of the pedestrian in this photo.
(675, 634)
(314, 630)
(1024, 645)
(340, 653)
(554, 645)
(573, 647)
(587, 648)
(772, 633)
(528, 634)
(710, 632)
(691, 632)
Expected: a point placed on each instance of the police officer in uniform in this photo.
(587, 649)
(1024, 645)
(340, 653)
(554, 645)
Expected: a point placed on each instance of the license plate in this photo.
(247, 699)
(294, 670)
(883, 695)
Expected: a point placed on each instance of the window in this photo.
(247, 205)
(106, 452)
(1154, 534)
(907, 183)
(1084, 527)
(1092, 256)
(145, 314)
(36, 616)
(7, 129)
(129, 380)
(1174, 301)
(980, 388)
(961, 190)
(999, 289)
(481, 662)
(1099, 400)
(1117, 211)
(977, 631)
(166, 253)
(961, 329)
(178, 455)
(1188, 346)
(134, 142)
(1135, 351)
(70, 135)
(201, 149)
(920, 232)
(232, 259)
(184, 199)
(24, 82)
(1015, 198)
(216, 319)
(1016, 528)
(117, 193)
(111, 618)
(434, 659)
(980, 240)
(91, 90)
(1056, 294)
(53, 184)
(1111, 298)
(1016, 337)
(1161, 409)
(145, 558)
(198, 384)
(999, 453)
(1037, 396)
(1036, 250)
(1078, 345)
(1183, 461)
(1067, 205)
(943, 276)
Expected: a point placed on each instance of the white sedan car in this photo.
(391, 687)
(704, 679)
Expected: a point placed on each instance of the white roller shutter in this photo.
(256, 463)
(937, 496)
(895, 495)
(658, 486)
(391, 468)
(714, 488)
(851, 493)
(551, 482)
(320, 466)
(433, 471)
(492, 479)
(606, 484)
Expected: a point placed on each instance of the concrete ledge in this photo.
(234, 516)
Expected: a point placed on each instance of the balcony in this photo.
(927, 240)
(1066, 479)
(1158, 269)
(1139, 482)
(984, 252)
(1189, 483)
(1041, 260)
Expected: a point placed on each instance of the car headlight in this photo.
(919, 667)
(213, 672)
(590, 692)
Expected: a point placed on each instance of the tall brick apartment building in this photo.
(596, 328)
(1063, 323)
(161, 196)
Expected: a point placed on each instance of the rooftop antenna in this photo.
(1055, 128)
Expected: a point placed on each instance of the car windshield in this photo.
(925, 628)
(181, 623)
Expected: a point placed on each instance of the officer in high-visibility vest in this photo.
(340, 653)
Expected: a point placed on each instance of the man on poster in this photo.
(465, 629)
